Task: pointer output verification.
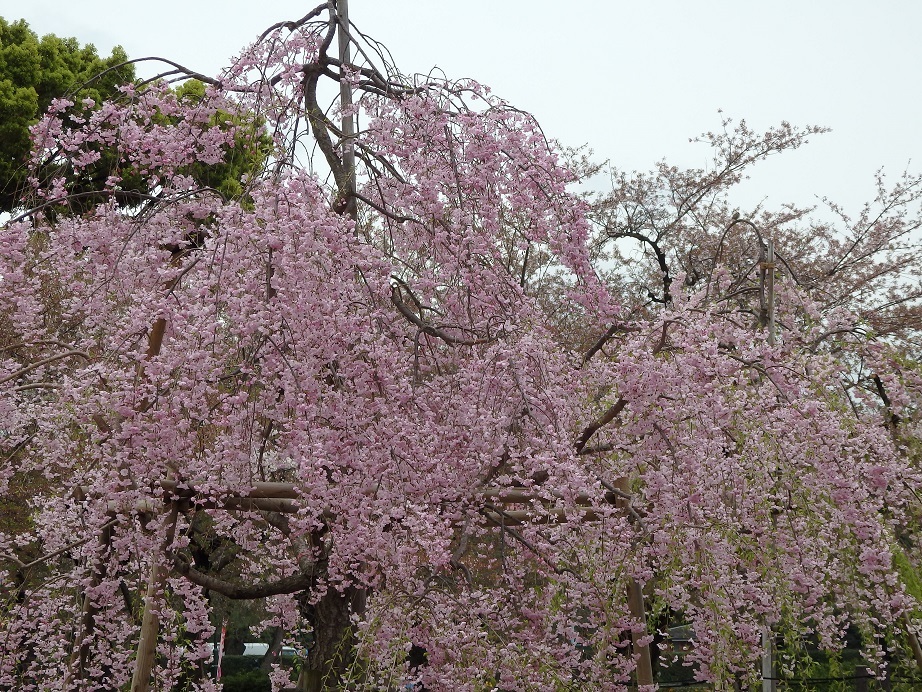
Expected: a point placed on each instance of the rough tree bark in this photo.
(332, 652)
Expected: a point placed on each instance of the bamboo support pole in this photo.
(523, 516)
(274, 490)
(258, 490)
(284, 498)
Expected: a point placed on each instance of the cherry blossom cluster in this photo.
(492, 419)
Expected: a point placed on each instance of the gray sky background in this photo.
(632, 78)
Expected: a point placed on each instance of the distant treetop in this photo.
(33, 72)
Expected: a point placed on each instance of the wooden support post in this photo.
(644, 662)
(150, 624)
(862, 675)
(769, 671)
(638, 612)
(913, 642)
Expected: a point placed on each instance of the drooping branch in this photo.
(625, 501)
(51, 359)
(660, 260)
(178, 69)
(602, 340)
(296, 24)
(47, 556)
(321, 129)
(80, 655)
(502, 518)
(78, 195)
(425, 327)
(377, 207)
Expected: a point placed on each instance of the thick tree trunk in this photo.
(333, 650)
(275, 648)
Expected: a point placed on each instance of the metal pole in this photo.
(769, 684)
(767, 294)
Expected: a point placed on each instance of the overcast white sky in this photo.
(632, 78)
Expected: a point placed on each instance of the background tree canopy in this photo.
(33, 72)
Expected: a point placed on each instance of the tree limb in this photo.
(285, 585)
(593, 427)
(51, 359)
